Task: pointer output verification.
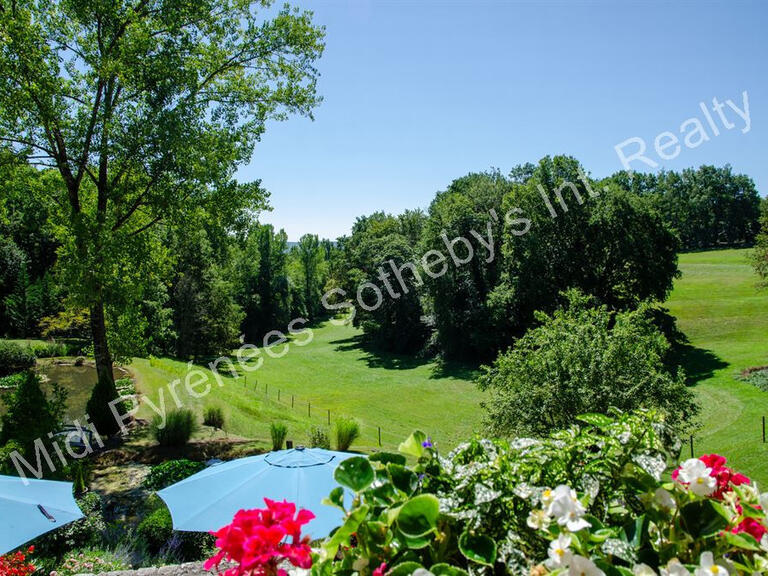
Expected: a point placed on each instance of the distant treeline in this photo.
(219, 275)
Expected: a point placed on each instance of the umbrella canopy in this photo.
(211, 498)
(29, 508)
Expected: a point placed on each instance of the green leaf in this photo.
(479, 549)
(342, 535)
(355, 473)
(418, 516)
(387, 457)
(443, 569)
(404, 569)
(743, 541)
(403, 478)
(701, 519)
(597, 420)
(413, 445)
(335, 498)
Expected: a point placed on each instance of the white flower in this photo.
(422, 572)
(643, 570)
(581, 566)
(764, 542)
(674, 568)
(538, 519)
(707, 566)
(546, 497)
(664, 499)
(764, 501)
(559, 552)
(697, 475)
(567, 509)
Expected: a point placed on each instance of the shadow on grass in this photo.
(698, 363)
(376, 358)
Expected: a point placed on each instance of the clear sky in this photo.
(417, 94)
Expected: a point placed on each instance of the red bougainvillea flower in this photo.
(258, 540)
(381, 570)
(752, 527)
(725, 477)
(16, 564)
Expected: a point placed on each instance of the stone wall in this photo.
(189, 569)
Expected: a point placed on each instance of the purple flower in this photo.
(428, 442)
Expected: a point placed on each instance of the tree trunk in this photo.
(100, 345)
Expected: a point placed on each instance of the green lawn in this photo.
(335, 373)
(725, 317)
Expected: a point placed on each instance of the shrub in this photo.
(88, 532)
(582, 359)
(178, 428)
(80, 360)
(156, 529)
(347, 431)
(213, 416)
(14, 358)
(12, 381)
(758, 378)
(91, 561)
(30, 414)
(49, 350)
(125, 386)
(99, 410)
(278, 431)
(167, 473)
(318, 438)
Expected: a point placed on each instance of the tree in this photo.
(607, 242)
(583, 359)
(760, 256)
(310, 254)
(144, 108)
(459, 298)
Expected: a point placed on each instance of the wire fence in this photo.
(313, 409)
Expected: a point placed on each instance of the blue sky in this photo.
(417, 94)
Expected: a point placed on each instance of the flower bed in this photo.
(606, 497)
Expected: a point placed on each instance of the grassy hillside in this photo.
(334, 373)
(725, 317)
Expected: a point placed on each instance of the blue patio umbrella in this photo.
(209, 499)
(29, 508)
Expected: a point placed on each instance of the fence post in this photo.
(292, 399)
(379, 435)
(266, 389)
(329, 417)
(691, 440)
(309, 409)
(763, 429)
(278, 395)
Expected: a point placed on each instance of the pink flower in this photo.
(258, 540)
(381, 570)
(751, 527)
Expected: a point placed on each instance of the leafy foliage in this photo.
(318, 438)
(582, 358)
(213, 416)
(14, 358)
(167, 473)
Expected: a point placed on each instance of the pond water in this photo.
(78, 381)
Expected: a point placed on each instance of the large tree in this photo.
(144, 107)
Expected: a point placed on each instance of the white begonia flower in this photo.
(643, 570)
(546, 497)
(422, 572)
(538, 519)
(764, 542)
(674, 568)
(580, 566)
(559, 552)
(697, 475)
(567, 510)
(707, 566)
(664, 499)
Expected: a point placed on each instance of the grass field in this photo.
(725, 317)
(334, 373)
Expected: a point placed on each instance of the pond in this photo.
(78, 381)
